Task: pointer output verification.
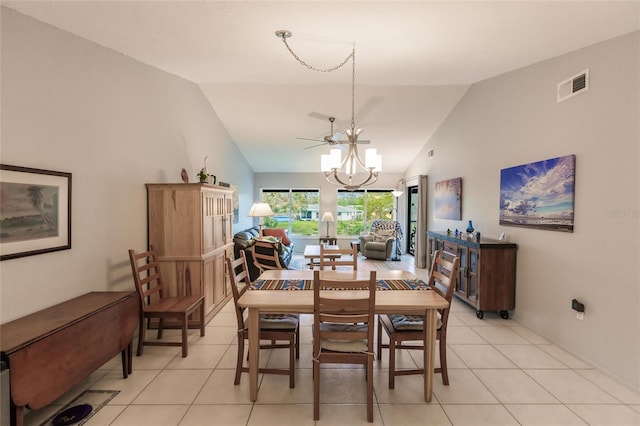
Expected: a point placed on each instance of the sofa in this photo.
(378, 244)
(243, 240)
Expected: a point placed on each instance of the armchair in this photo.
(379, 243)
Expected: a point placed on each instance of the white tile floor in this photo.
(500, 373)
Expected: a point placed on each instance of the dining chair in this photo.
(404, 328)
(154, 303)
(273, 327)
(333, 256)
(343, 324)
(265, 255)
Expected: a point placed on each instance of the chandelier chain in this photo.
(311, 67)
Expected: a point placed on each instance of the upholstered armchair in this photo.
(379, 243)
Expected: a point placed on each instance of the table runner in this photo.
(289, 284)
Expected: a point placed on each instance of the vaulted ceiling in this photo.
(414, 60)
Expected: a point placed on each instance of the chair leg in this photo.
(379, 351)
(185, 336)
(370, 389)
(392, 363)
(443, 360)
(316, 390)
(141, 332)
(298, 342)
(202, 319)
(292, 363)
(160, 328)
(240, 356)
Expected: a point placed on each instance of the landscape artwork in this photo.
(236, 204)
(448, 199)
(34, 211)
(539, 195)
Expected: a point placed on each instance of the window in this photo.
(296, 210)
(357, 209)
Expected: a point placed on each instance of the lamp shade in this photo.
(327, 217)
(260, 210)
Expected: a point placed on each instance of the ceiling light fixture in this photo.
(339, 171)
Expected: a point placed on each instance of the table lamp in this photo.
(327, 217)
(260, 210)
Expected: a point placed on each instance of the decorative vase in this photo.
(470, 228)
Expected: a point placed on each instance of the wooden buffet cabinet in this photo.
(487, 275)
(190, 225)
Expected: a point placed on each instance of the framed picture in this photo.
(448, 199)
(35, 211)
(539, 195)
(236, 204)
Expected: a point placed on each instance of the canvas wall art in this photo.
(539, 195)
(448, 199)
(35, 211)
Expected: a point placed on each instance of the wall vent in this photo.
(572, 86)
(430, 153)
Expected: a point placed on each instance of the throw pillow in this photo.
(278, 233)
(383, 234)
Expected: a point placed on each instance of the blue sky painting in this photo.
(539, 195)
(447, 199)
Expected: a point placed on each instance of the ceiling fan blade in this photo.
(310, 139)
(314, 146)
(364, 141)
(323, 117)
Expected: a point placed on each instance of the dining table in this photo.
(394, 299)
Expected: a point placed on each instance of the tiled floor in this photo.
(500, 373)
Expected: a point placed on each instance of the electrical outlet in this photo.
(580, 315)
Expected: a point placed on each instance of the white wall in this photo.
(514, 119)
(116, 124)
(328, 195)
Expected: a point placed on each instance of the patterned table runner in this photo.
(416, 284)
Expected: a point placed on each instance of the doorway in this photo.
(412, 218)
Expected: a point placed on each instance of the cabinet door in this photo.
(219, 284)
(208, 220)
(473, 273)
(209, 270)
(462, 286)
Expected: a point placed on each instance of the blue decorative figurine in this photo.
(470, 228)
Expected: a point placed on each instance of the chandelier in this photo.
(342, 171)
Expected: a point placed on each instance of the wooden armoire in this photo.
(190, 226)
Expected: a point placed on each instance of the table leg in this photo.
(254, 352)
(429, 353)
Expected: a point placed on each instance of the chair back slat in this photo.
(239, 277)
(332, 256)
(266, 255)
(147, 276)
(442, 279)
(332, 306)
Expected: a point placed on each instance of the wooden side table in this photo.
(356, 244)
(332, 241)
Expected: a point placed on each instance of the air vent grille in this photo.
(572, 86)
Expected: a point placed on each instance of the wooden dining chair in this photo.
(333, 256)
(403, 328)
(266, 255)
(343, 323)
(154, 303)
(273, 327)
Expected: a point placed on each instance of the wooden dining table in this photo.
(411, 302)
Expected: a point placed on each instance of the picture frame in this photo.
(35, 211)
(448, 199)
(539, 195)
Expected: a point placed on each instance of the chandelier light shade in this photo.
(347, 171)
(260, 210)
(327, 217)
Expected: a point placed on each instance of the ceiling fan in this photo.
(332, 139)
